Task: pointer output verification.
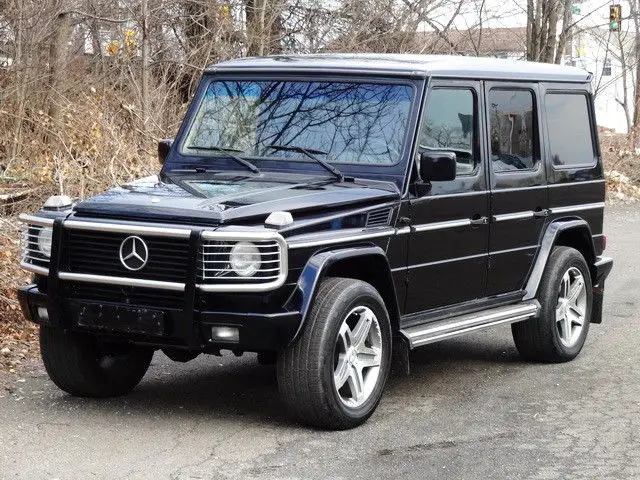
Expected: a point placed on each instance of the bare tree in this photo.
(543, 18)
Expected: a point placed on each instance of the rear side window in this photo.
(512, 130)
(570, 135)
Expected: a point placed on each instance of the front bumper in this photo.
(179, 328)
(601, 269)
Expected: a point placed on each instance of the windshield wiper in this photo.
(228, 151)
(309, 152)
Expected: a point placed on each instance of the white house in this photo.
(502, 33)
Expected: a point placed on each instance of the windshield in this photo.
(355, 123)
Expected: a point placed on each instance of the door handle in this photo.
(541, 212)
(477, 220)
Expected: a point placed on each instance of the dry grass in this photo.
(17, 336)
(622, 166)
(99, 145)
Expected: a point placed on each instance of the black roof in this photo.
(407, 65)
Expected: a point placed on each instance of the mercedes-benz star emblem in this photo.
(133, 253)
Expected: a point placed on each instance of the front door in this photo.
(448, 244)
(518, 185)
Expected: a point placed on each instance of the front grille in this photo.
(30, 253)
(134, 296)
(98, 253)
(214, 262)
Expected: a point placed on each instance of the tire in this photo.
(559, 333)
(84, 366)
(328, 351)
(267, 358)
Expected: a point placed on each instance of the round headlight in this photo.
(245, 259)
(44, 240)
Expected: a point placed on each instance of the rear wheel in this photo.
(333, 375)
(84, 366)
(565, 297)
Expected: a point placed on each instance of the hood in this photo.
(214, 199)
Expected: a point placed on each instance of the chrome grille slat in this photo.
(242, 281)
(218, 261)
(213, 265)
(262, 270)
(30, 257)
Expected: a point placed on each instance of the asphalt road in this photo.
(470, 409)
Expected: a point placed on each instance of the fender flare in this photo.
(314, 271)
(549, 238)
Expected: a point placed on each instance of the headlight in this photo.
(245, 259)
(44, 240)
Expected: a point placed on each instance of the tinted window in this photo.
(512, 130)
(450, 125)
(570, 139)
(350, 122)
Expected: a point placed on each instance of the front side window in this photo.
(342, 122)
(570, 138)
(512, 130)
(450, 125)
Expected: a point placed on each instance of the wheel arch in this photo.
(368, 264)
(567, 232)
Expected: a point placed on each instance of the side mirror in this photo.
(163, 149)
(437, 166)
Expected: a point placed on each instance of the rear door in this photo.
(448, 244)
(519, 197)
(575, 176)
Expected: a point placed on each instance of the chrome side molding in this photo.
(337, 236)
(504, 217)
(425, 227)
(577, 208)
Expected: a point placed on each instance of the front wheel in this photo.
(85, 366)
(333, 374)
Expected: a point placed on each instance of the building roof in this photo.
(477, 41)
(406, 65)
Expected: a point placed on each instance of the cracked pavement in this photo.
(470, 409)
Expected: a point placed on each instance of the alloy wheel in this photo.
(357, 357)
(571, 308)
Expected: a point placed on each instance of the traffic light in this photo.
(615, 17)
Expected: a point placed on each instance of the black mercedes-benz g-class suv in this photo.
(320, 209)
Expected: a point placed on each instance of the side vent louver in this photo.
(379, 218)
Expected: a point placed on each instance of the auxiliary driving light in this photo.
(225, 334)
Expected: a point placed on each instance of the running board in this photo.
(435, 331)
